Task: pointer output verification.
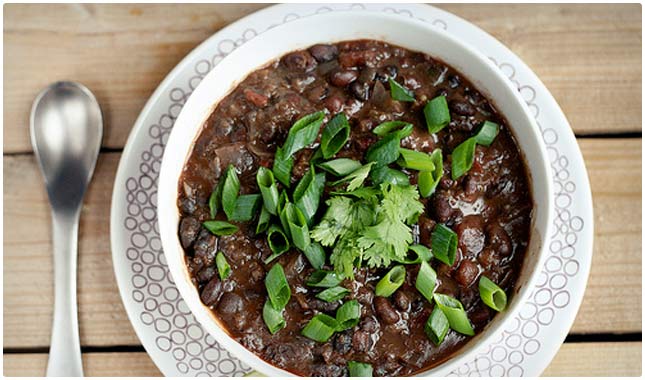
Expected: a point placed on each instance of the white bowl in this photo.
(342, 26)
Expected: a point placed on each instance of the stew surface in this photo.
(489, 207)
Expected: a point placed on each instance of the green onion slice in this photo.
(268, 189)
(340, 167)
(491, 294)
(421, 254)
(385, 151)
(428, 180)
(263, 221)
(334, 136)
(282, 167)
(384, 174)
(487, 133)
(400, 92)
(336, 293)
(355, 178)
(454, 311)
(220, 227)
(361, 193)
(283, 200)
(215, 200)
(358, 369)
(246, 207)
(437, 114)
(320, 328)
(297, 224)
(411, 159)
(315, 254)
(436, 326)
(278, 242)
(223, 268)
(302, 133)
(230, 191)
(463, 157)
(348, 315)
(277, 287)
(389, 126)
(426, 281)
(273, 317)
(324, 279)
(444, 244)
(308, 192)
(391, 281)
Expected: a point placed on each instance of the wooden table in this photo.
(589, 56)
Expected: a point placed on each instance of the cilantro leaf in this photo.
(401, 203)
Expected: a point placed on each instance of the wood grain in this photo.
(588, 55)
(612, 302)
(573, 359)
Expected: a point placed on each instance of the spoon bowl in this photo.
(66, 132)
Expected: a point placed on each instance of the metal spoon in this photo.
(66, 132)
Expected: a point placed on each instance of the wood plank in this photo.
(597, 359)
(612, 302)
(573, 359)
(588, 55)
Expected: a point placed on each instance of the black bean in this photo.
(369, 325)
(341, 78)
(230, 303)
(361, 341)
(401, 300)
(462, 108)
(385, 311)
(212, 292)
(471, 234)
(206, 274)
(499, 239)
(343, 342)
(334, 103)
(368, 75)
(300, 61)
(188, 229)
(467, 273)
(205, 246)
(361, 91)
(442, 209)
(323, 53)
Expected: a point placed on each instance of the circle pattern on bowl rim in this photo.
(163, 317)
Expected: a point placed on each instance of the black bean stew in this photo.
(489, 207)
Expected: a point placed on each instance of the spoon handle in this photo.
(65, 350)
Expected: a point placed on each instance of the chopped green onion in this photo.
(404, 132)
(411, 159)
(315, 254)
(454, 311)
(436, 326)
(361, 193)
(268, 189)
(385, 151)
(487, 133)
(273, 317)
(336, 293)
(278, 242)
(334, 136)
(340, 167)
(302, 133)
(230, 191)
(263, 221)
(358, 369)
(308, 192)
(426, 280)
(444, 244)
(400, 92)
(246, 207)
(383, 174)
(324, 279)
(491, 294)
(348, 315)
(428, 180)
(282, 202)
(316, 157)
(391, 281)
(282, 166)
(297, 223)
(389, 126)
(320, 328)
(223, 268)
(421, 252)
(215, 200)
(463, 157)
(437, 114)
(277, 287)
(220, 227)
(355, 178)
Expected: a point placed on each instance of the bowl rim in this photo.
(170, 239)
